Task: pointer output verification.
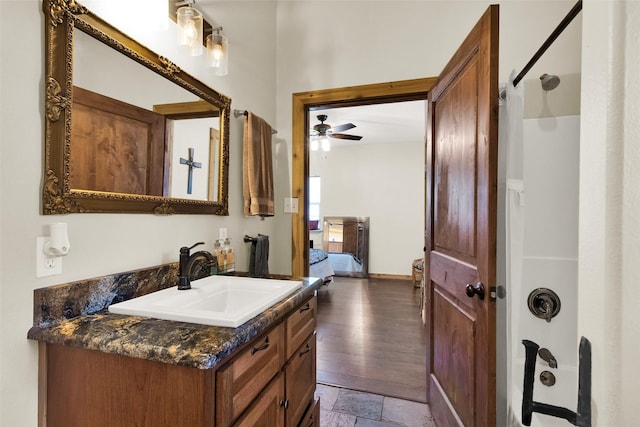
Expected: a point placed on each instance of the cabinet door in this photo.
(300, 324)
(312, 417)
(300, 375)
(241, 380)
(268, 408)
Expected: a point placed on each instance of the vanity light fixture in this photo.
(218, 52)
(190, 25)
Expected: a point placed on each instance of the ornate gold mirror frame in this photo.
(61, 17)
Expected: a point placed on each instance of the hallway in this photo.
(371, 338)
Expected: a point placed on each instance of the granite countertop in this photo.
(179, 343)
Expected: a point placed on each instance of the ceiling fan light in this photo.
(326, 146)
(314, 143)
(189, 22)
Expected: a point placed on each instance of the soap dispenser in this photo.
(229, 255)
(219, 255)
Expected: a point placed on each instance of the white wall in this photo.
(383, 182)
(102, 243)
(193, 133)
(609, 230)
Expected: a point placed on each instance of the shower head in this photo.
(549, 81)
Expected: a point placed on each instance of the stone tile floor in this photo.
(341, 407)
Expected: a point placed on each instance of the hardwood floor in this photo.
(371, 338)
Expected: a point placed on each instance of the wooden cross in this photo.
(189, 162)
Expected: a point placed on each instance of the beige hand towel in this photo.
(257, 167)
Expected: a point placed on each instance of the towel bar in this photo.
(240, 113)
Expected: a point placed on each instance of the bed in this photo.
(319, 265)
(345, 262)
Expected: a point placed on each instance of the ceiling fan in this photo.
(323, 131)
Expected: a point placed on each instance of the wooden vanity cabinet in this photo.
(300, 380)
(80, 388)
(270, 382)
(268, 409)
(286, 400)
(312, 417)
(293, 387)
(300, 325)
(241, 380)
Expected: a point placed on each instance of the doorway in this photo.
(305, 105)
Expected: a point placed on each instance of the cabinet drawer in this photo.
(312, 417)
(268, 408)
(300, 377)
(241, 380)
(300, 324)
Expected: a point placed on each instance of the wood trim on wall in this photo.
(405, 90)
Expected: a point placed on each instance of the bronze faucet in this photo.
(194, 266)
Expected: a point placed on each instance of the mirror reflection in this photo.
(120, 135)
(133, 132)
(346, 241)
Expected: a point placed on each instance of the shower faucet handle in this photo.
(546, 355)
(544, 303)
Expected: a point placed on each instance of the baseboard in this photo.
(389, 276)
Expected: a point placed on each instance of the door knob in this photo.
(477, 289)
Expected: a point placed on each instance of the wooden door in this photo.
(461, 158)
(116, 147)
(350, 237)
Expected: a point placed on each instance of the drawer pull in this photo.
(305, 351)
(254, 350)
(306, 307)
(284, 404)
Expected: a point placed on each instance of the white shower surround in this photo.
(544, 253)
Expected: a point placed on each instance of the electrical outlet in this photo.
(222, 233)
(46, 265)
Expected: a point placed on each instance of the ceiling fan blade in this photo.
(342, 128)
(345, 136)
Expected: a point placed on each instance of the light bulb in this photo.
(190, 33)
(218, 52)
(189, 22)
(326, 146)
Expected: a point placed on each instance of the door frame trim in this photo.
(302, 103)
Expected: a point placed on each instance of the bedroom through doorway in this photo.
(370, 333)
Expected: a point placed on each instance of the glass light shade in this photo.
(326, 146)
(190, 29)
(314, 143)
(218, 53)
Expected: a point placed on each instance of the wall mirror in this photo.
(126, 129)
(346, 241)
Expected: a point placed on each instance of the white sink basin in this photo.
(215, 300)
